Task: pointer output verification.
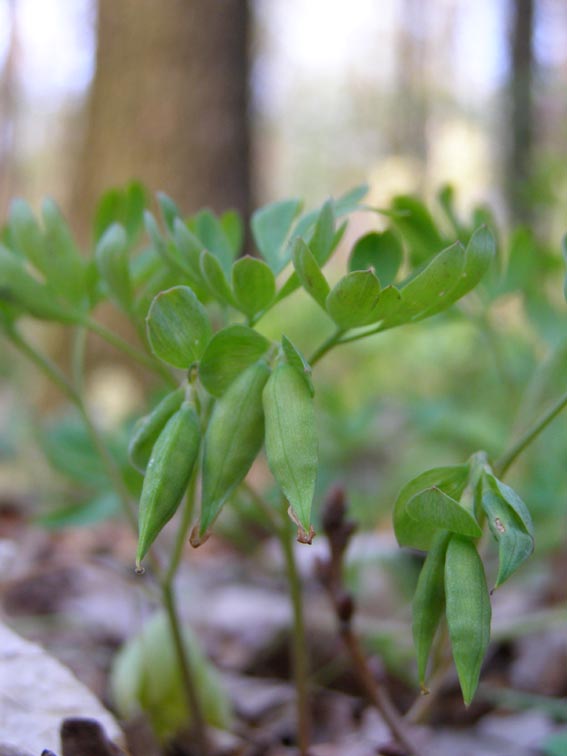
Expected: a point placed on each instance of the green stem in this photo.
(134, 354)
(325, 347)
(502, 465)
(300, 655)
(51, 370)
(184, 525)
(78, 359)
(197, 721)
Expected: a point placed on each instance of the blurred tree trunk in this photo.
(9, 168)
(169, 104)
(520, 131)
(410, 133)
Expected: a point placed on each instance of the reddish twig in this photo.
(339, 531)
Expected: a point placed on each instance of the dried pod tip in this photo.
(334, 509)
(304, 537)
(139, 570)
(195, 539)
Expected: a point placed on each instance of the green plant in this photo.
(196, 305)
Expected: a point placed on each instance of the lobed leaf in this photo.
(271, 226)
(253, 284)
(229, 353)
(450, 480)
(309, 273)
(113, 264)
(178, 327)
(380, 251)
(354, 301)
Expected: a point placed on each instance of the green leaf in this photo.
(298, 361)
(429, 601)
(348, 202)
(450, 480)
(322, 242)
(291, 442)
(211, 234)
(233, 439)
(270, 227)
(215, 279)
(428, 292)
(354, 301)
(433, 508)
(125, 206)
(564, 253)
(468, 612)
(417, 227)
(178, 327)
(253, 284)
(510, 524)
(479, 254)
(113, 264)
(27, 235)
(446, 199)
(20, 289)
(67, 270)
(380, 251)
(309, 273)
(169, 210)
(190, 249)
(233, 228)
(228, 354)
(90, 512)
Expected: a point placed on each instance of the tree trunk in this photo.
(521, 110)
(169, 104)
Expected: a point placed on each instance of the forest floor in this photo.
(75, 593)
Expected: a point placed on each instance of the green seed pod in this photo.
(148, 428)
(429, 601)
(291, 442)
(168, 474)
(468, 611)
(232, 441)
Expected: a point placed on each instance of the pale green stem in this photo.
(503, 464)
(300, 654)
(325, 347)
(134, 354)
(197, 721)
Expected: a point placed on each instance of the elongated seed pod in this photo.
(168, 474)
(429, 601)
(468, 611)
(148, 428)
(291, 441)
(232, 441)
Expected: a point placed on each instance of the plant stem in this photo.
(186, 516)
(379, 698)
(300, 655)
(507, 460)
(134, 354)
(325, 347)
(54, 373)
(197, 722)
(51, 370)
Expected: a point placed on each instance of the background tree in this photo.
(168, 104)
